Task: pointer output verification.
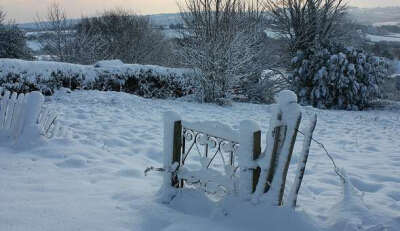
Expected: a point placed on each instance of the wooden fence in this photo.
(18, 113)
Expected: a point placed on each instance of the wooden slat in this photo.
(292, 136)
(3, 108)
(44, 115)
(50, 121)
(256, 155)
(177, 151)
(19, 115)
(278, 136)
(10, 111)
(303, 163)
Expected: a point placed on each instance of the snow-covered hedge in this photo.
(144, 80)
(337, 78)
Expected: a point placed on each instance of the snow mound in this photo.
(233, 214)
(351, 213)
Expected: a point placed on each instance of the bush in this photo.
(337, 78)
(261, 88)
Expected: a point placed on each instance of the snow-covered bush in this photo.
(338, 78)
(144, 80)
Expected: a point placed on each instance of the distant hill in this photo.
(165, 19)
(366, 16)
(376, 16)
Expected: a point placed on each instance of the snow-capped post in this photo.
(268, 161)
(249, 151)
(172, 148)
(18, 115)
(301, 167)
(291, 118)
(34, 102)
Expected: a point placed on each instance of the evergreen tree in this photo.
(12, 41)
(337, 77)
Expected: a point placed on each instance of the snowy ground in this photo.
(91, 177)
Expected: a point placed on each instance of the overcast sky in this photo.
(25, 10)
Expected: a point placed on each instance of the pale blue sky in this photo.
(26, 10)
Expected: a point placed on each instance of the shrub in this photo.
(337, 78)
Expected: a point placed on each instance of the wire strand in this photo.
(337, 170)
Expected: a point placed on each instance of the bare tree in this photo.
(2, 16)
(306, 22)
(222, 42)
(59, 35)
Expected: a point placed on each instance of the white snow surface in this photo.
(91, 177)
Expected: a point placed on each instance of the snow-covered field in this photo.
(91, 176)
(387, 38)
(394, 23)
(34, 45)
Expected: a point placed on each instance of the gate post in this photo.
(256, 155)
(172, 148)
(249, 151)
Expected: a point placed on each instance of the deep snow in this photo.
(91, 176)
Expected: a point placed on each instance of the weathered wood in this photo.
(302, 164)
(278, 135)
(183, 151)
(177, 151)
(49, 122)
(3, 108)
(256, 155)
(285, 170)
